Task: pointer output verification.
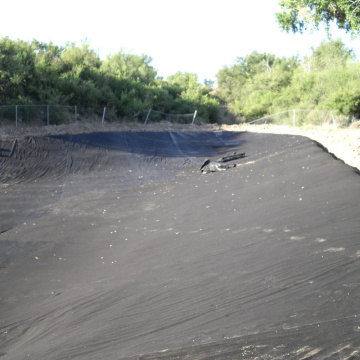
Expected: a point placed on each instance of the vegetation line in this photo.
(127, 85)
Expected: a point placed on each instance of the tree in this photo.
(40, 73)
(16, 71)
(297, 15)
(48, 66)
(330, 53)
(251, 86)
(79, 61)
(184, 80)
(130, 66)
(210, 83)
(191, 95)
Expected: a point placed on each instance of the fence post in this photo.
(48, 115)
(147, 116)
(194, 117)
(294, 117)
(333, 119)
(103, 117)
(16, 115)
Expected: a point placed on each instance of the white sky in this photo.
(197, 36)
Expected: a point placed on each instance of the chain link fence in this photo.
(38, 115)
(158, 116)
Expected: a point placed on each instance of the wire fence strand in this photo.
(305, 117)
(38, 115)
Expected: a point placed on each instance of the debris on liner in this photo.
(221, 164)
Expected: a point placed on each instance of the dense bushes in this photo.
(126, 84)
(261, 84)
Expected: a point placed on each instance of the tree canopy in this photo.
(40, 73)
(298, 15)
(262, 84)
(256, 85)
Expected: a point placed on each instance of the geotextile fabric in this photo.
(115, 246)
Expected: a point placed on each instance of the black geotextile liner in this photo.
(115, 246)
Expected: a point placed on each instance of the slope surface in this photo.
(114, 246)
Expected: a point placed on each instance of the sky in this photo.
(195, 36)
